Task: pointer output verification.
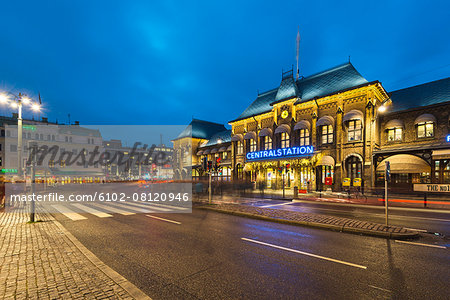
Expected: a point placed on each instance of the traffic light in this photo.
(209, 165)
(217, 165)
(288, 166)
(205, 163)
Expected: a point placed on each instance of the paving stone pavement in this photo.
(317, 220)
(40, 261)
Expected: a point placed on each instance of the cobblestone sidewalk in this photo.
(43, 261)
(315, 220)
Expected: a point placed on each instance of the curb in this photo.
(134, 291)
(346, 229)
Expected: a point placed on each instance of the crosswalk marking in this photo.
(91, 210)
(143, 207)
(171, 206)
(110, 208)
(68, 213)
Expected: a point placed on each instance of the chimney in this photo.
(44, 120)
(77, 123)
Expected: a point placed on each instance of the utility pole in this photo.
(283, 183)
(209, 189)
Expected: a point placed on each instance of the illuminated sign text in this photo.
(279, 153)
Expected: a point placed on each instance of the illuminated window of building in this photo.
(327, 134)
(354, 167)
(252, 145)
(267, 143)
(354, 130)
(425, 129)
(394, 134)
(51, 163)
(225, 155)
(240, 148)
(304, 137)
(284, 140)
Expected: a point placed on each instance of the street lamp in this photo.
(17, 102)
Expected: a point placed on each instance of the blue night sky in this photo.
(162, 62)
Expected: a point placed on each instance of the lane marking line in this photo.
(381, 289)
(421, 230)
(68, 213)
(134, 208)
(112, 209)
(306, 253)
(162, 219)
(271, 205)
(421, 244)
(92, 211)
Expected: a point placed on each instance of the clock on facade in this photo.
(284, 114)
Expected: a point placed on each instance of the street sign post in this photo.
(387, 178)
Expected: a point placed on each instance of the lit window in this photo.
(240, 148)
(225, 155)
(304, 137)
(354, 130)
(267, 143)
(327, 134)
(394, 134)
(284, 140)
(425, 130)
(252, 145)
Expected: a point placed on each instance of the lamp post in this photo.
(17, 102)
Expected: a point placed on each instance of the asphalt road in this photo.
(208, 255)
(426, 220)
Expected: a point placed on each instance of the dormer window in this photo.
(425, 130)
(394, 134)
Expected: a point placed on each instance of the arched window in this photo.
(239, 148)
(394, 134)
(239, 171)
(354, 130)
(326, 134)
(267, 143)
(284, 137)
(252, 143)
(354, 167)
(425, 129)
(304, 137)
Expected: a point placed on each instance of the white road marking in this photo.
(109, 207)
(170, 206)
(68, 213)
(306, 253)
(147, 208)
(92, 211)
(132, 207)
(162, 219)
(271, 205)
(381, 289)
(421, 244)
(421, 230)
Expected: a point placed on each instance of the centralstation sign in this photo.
(281, 153)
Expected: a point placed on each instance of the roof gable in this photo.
(219, 138)
(201, 129)
(321, 84)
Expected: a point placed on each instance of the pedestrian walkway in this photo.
(78, 211)
(44, 261)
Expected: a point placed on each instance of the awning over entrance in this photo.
(223, 149)
(250, 135)
(405, 163)
(265, 132)
(283, 128)
(206, 151)
(200, 152)
(326, 160)
(441, 154)
(354, 114)
(303, 124)
(215, 150)
(425, 118)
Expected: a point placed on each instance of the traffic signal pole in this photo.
(387, 176)
(210, 190)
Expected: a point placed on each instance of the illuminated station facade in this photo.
(334, 130)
